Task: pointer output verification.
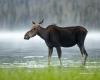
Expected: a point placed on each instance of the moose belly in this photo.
(68, 42)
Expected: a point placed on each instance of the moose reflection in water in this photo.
(58, 37)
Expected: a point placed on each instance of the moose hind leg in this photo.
(85, 54)
(59, 54)
(80, 43)
(82, 53)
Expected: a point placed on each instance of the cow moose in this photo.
(55, 36)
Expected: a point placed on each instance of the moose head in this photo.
(31, 33)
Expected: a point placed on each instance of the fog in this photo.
(13, 42)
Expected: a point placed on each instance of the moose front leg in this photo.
(50, 50)
(59, 54)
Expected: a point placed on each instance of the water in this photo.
(17, 52)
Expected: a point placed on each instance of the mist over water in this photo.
(11, 40)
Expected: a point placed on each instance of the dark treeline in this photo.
(18, 13)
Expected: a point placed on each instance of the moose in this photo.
(55, 36)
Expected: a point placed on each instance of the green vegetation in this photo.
(51, 73)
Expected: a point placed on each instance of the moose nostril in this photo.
(25, 37)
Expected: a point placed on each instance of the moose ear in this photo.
(41, 21)
(33, 22)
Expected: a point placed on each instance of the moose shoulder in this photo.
(58, 37)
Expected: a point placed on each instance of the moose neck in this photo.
(42, 33)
